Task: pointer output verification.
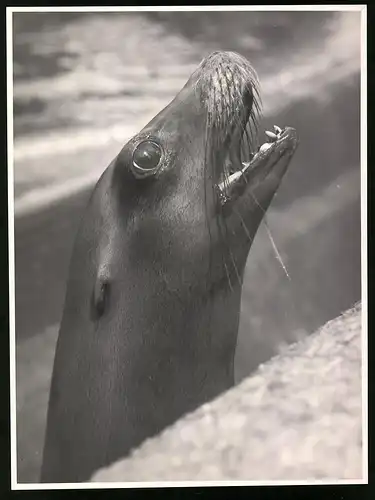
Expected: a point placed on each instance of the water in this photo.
(94, 70)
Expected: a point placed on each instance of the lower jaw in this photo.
(244, 173)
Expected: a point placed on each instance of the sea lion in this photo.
(151, 315)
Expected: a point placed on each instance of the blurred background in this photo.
(84, 83)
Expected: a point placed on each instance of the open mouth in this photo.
(243, 174)
(230, 89)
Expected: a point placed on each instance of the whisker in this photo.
(231, 255)
(235, 267)
(243, 224)
(222, 221)
(228, 277)
(257, 203)
(278, 256)
(277, 253)
(207, 162)
(216, 138)
(224, 241)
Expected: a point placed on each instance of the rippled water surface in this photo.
(93, 70)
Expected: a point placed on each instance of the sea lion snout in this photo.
(227, 82)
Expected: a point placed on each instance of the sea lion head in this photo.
(194, 185)
(150, 322)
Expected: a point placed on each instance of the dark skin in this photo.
(151, 317)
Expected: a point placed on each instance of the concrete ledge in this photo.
(299, 417)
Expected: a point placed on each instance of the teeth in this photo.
(271, 135)
(272, 138)
(265, 146)
(230, 180)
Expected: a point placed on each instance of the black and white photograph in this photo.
(187, 245)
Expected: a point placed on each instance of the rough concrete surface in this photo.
(298, 417)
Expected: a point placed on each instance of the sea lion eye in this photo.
(146, 158)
